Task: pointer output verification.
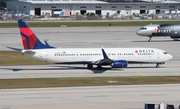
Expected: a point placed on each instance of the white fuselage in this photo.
(85, 55)
(160, 30)
(147, 30)
(162, 1)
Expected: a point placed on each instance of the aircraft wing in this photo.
(105, 61)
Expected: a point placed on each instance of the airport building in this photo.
(99, 7)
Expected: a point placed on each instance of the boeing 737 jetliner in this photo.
(114, 57)
(160, 30)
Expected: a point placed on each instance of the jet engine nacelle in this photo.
(120, 64)
(175, 38)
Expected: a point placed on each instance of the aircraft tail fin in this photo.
(29, 39)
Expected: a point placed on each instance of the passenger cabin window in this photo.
(143, 28)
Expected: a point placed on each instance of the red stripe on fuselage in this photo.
(32, 37)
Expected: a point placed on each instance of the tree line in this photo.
(2, 4)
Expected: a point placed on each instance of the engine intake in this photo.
(120, 64)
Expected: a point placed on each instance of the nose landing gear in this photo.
(150, 39)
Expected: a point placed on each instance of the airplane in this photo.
(158, 1)
(162, 1)
(114, 57)
(160, 30)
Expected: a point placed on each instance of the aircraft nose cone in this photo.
(138, 32)
(170, 56)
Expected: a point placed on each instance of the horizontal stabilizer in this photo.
(16, 49)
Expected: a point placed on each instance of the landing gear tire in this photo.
(99, 67)
(90, 66)
(157, 65)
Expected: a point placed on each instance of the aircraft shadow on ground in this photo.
(94, 70)
(156, 41)
(146, 67)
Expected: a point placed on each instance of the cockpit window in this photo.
(164, 52)
(143, 28)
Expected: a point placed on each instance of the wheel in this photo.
(157, 65)
(99, 67)
(150, 39)
(89, 66)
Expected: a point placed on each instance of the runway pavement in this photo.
(90, 37)
(172, 68)
(101, 97)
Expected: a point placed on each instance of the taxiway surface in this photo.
(101, 97)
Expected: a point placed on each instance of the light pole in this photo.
(74, 13)
(17, 12)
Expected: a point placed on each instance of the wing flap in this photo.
(103, 62)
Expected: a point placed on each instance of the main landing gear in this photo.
(90, 66)
(157, 65)
(99, 67)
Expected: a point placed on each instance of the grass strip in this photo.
(87, 81)
(87, 24)
(10, 58)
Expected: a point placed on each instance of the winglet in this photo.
(46, 43)
(104, 54)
